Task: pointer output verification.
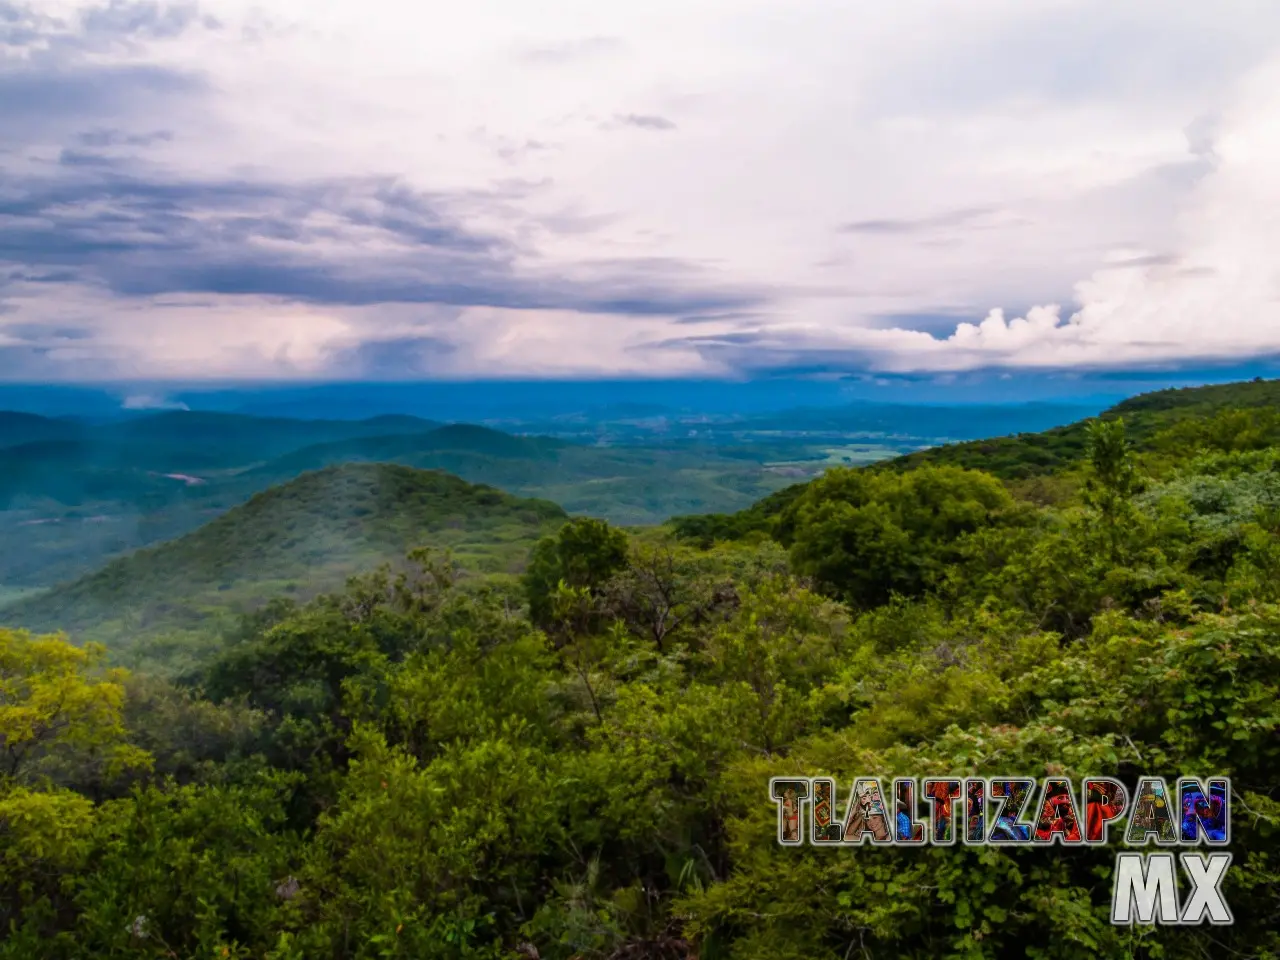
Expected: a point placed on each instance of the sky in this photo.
(398, 189)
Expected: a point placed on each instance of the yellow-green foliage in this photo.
(52, 700)
(55, 705)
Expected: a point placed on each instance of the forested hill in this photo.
(1163, 426)
(479, 448)
(74, 496)
(1224, 416)
(296, 539)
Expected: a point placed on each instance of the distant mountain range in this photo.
(189, 438)
(505, 400)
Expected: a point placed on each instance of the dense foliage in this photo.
(431, 763)
(296, 539)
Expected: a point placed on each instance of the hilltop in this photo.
(1146, 416)
(417, 449)
(150, 461)
(625, 484)
(296, 539)
(17, 428)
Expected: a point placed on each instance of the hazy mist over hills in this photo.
(517, 400)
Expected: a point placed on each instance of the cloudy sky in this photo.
(394, 188)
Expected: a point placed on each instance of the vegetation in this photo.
(1165, 427)
(574, 764)
(72, 498)
(297, 540)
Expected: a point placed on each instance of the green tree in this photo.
(584, 553)
(54, 699)
(55, 704)
(1112, 479)
(864, 536)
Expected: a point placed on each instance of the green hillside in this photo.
(1147, 416)
(1164, 426)
(49, 460)
(296, 540)
(17, 428)
(475, 441)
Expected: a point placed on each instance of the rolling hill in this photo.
(1162, 422)
(73, 495)
(70, 462)
(238, 439)
(625, 484)
(417, 449)
(1146, 416)
(296, 539)
(17, 428)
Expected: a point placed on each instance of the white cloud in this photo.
(146, 401)
(1216, 295)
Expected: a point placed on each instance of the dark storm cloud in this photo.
(121, 138)
(102, 215)
(23, 276)
(58, 88)
(35, 331)
(86, 158)
(966, 216)
(125, 18)
(388, 359)
(56, 75)
(645, 121)
(41, 97)
(307, 241)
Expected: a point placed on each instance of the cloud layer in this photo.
(208, 190)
